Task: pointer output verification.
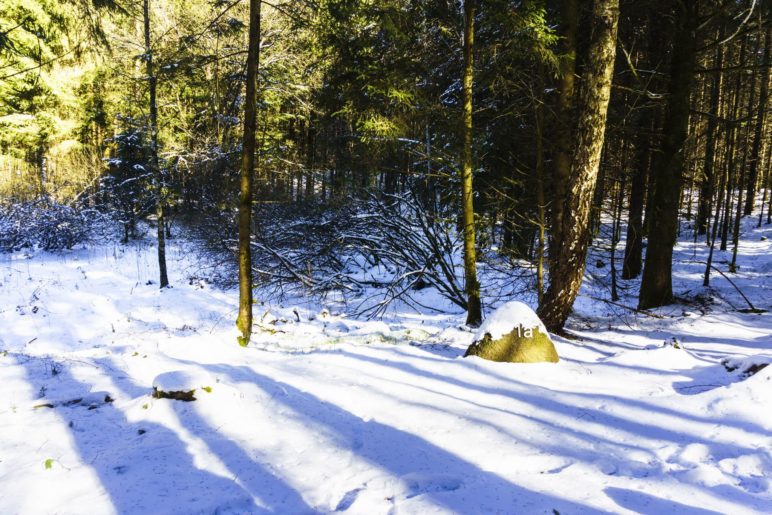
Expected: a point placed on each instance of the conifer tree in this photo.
(591, 108)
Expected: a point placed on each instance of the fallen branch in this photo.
(753, 309)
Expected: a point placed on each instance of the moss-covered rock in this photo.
(521, 345)
(514, 334)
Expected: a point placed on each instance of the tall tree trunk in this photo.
(563, 132)
(708, 180)
(712, 238)
(472, 286)
(598, 195)
(310, 157)
(632, 262)
(540, 207)
(732, 139)
(657, 282)
(743, 167)
(766, 183)
(244, 320)
(753, 175)
(592, 106)
(158, 176)
(616, 232)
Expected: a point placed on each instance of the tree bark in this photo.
(766, 182)
(615, 234)
(563, 132)
(156, 169)
(753, 174)
(633, 259)
(714, 230)
(657, 282)
(707, 188)
(732, 142)
(539, 135)
(592, 106)
(739, 213)
(244, 320)
(472, 286)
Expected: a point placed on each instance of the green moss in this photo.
(181, 395)
(516, 347)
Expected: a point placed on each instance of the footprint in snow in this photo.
(419, 484)
(348, 499)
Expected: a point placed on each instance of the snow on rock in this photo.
(506, 318)
(514, 334)
(182, 381)
(747, 366)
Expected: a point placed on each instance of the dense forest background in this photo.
(430, 138)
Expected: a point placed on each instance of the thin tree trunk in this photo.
(472, 286)
(539, 115)
(650, 179)
(244, 320)
(732, 137)
(657, 282)
(156, 172)
(310, 157)
(598, 195)
(766, 184)
(769, 182)
(725, 219)
(632, 262)
(753, 175)
(708, 182)
(615, 233)
(592, 106)
(740, 190)
(709, 264)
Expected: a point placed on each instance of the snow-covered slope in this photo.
(325, 414)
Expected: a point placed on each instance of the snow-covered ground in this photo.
(323, 413)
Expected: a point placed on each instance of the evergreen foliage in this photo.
(360, 106)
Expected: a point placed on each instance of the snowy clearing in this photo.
(328, 414)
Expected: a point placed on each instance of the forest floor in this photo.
(325, 413)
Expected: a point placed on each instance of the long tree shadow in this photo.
(271, 492)
(640, 502)
(447, 480)
(522, 389)
(636, 427)
(144, 467)
(597, 447)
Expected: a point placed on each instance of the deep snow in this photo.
(324, 413)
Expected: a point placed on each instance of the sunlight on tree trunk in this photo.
(474, 310)
(592, 105)
(244, 320)
(158, 174)
(563, 132)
